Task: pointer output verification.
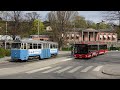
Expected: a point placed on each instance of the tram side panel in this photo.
(19, 54)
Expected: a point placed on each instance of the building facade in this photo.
(92, 36)
(40, 37)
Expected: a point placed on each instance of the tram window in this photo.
(53, 45)
(24, 45)
(44, 45)
(34, 46)
(50, 45)
(39, 46)
(30, 45)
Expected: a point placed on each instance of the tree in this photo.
(32, 16)
(15, 18)
(80, 22)
(34, 29)
(60, 22)
(112, 16)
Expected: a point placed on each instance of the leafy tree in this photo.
(35, 27)
(80, 22)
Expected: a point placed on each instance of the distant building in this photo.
(48, 28)
(40, 37)
(91, 36)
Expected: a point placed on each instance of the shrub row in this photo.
(4, 52)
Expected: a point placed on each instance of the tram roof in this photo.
(34, 41)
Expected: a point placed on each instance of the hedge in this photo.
(4, 52)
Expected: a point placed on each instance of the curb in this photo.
(113, 70)
(7, 59)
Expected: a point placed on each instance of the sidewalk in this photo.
(113, 69)
(60, 53)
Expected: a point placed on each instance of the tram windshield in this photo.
(16, 45)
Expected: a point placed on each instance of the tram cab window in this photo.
(39, 46)
(34, 46)
(16, 45)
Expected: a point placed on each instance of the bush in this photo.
(7, 52)
(65, 49)
(114, 48)
(4, 52)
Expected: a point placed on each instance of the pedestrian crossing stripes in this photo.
(75, 69)
(64, 69)
(67, 69)
(97, 68)
(86, 69)
(51, 70)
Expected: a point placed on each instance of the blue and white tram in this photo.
(28, 48)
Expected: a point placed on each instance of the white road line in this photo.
(36, 70)
(64, 69)
(86, 69)
(97, 68)
(51, 70)
(67, 59)
(75, 69)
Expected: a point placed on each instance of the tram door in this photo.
(46, 51)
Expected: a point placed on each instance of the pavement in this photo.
(110, 69)
(113, 69)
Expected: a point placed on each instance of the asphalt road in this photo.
(72, 69)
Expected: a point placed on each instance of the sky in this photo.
(95, 16)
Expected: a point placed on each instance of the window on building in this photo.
(89, 37)
(83, 37)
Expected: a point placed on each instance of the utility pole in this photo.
(38, 27)
(74, 33)
(6, 28)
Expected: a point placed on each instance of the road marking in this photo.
(86, 69)
(97, 68)
(67, 59)
(36, 70)
(51, 70)
(75, 69)
(64, 69)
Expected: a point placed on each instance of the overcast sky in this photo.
(95, 16)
